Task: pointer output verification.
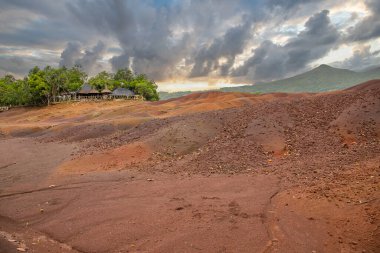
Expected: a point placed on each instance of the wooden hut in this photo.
(105, 93)
(87, 92)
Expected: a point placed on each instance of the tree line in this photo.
(42, 86)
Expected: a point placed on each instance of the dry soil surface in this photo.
(209, 172)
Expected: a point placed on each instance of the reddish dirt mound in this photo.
(370, 85)
(292, 173)
(114, 159)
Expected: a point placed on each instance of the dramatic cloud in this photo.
(362, 58)
(70, 55)
(271, 61)
(245, 40)
(209, 58)
(73, 55)
(369, 27)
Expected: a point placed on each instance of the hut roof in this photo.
(106, 91)
(85, 89)
(93, 91)
(123, 92)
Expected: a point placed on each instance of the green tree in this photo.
(102, 80)
(56, 80)
(124, 75)
(7, 90)
(141, 85)
(75, 79)
(123, 78)
(39, 88)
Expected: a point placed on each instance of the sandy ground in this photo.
(213, 172)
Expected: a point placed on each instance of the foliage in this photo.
(139, 84)
(143, 86)
(13, 92)
(75, 79)
(124, 75)
(42, 86)
(102, 80)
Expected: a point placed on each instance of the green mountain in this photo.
(322, 78)
(168, 95)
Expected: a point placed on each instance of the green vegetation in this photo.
(124, 78)
(42, 86)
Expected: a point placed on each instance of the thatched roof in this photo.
(106, 91)
(93, 91)
(123, 92)
(85, 89)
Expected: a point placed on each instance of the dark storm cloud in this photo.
(37, 23)
(169, 38)
(46, 8)
(20, 65)
(271, 61)
(369, 27)
(70, 54)
(73, 55)
(288, 4)
(141, 30)
(227, 47)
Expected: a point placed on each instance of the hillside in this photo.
(322, 78)
(279, 172)
(164, 95)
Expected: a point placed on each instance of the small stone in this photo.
(149, 179)
(21, 249)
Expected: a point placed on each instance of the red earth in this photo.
(208, 172)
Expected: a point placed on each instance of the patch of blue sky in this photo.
(343, 19)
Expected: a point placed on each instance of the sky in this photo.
(190, 44)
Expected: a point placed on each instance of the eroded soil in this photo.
(212, 172)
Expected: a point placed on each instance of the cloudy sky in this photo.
(190, 44)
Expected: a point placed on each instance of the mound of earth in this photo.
(207, 172)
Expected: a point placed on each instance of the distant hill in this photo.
(322, 78)
(168, 95)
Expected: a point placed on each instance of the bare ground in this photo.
(213, 172)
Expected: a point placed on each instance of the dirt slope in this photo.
(211, 172)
